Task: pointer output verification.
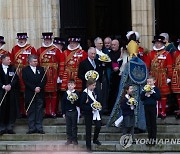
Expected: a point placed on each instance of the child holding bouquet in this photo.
(150, 95)
(128, 104)
(91, 107)
(69, 103)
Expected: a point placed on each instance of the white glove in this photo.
(168, 80)
(59, 80)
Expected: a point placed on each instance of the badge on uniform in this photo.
(161, 57)
(38, 72)
(11, 73)
(50, 52)
(27, 52)
(78, 55)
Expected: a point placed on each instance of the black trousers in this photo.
(88, 123)
(7, 114)
(151, 116)
(35, 115)
(71, 125)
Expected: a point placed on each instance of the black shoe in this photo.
(53, 115)
(2, 132)
(68, 142)
(40, 132)
(31, 132)
(75, 142)
(89, 150)
(97, 142)
(10, 132)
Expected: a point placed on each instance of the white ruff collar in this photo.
(156, 49)
(21, 46)
(46, 46)
(78, 47)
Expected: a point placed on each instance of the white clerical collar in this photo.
(46, 46)
(21, 46)
(178, 47)
(156, 49)
(78, 47)
(4, 66)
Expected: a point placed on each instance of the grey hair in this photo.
(166, 35)
(96, 39)
(91, 48)
(31, 57)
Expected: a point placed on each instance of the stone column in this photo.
(31, 16)
(143, 20)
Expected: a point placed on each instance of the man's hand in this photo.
(37, 89)
(7, 87)
(64, 116)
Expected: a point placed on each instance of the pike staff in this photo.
(35, 92)
(10, 82)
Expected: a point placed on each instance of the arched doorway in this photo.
(93, 18)
(167, 18)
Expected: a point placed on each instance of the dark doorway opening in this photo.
(167, 18)
(92, 18)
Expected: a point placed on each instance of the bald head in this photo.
(107, 42)
(92, 53)
(115, 45)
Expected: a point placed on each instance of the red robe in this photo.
(49, 58)
(69, 67)
(19, 58)
(159, 64)
(175, 83)
(143, 55)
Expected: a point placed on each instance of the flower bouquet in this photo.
(132, 102)
(92, 74)
(105, 58)
(72, 97)
(96, 106)
(147, 88)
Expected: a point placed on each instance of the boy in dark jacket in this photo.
(150, 98)
(70, 101)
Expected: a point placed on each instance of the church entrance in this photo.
(92, 18)
(167, 18)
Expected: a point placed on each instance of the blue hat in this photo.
(59, 40)
(22, 36)
(47, 35)
(159, 39)
(74, 39)
(2, 40)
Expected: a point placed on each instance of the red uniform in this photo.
(142, 54)
(69, 67)
(19, 59)
(159, 64)
(49, 58)
(175, 83)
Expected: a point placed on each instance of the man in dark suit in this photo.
(8, 95)
(88, 64)
(35, 80)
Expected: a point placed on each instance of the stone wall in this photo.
(31, 16)
(143, 20)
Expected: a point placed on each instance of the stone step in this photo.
(58, 146)
(104, 129)
(81, 136)
(78, 152)
(58, 121)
